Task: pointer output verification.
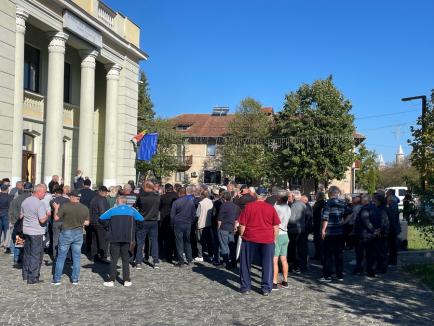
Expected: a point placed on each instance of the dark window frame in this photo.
(32, 59)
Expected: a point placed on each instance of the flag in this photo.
(147, 147)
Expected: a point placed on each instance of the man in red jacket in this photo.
(259, 228)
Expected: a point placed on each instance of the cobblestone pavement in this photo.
(203, 295)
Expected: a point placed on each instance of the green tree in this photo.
(164, 162)
(317, 118)
(398, 175)
(249, 160)
(367, 175)
(145, 112)
(422, 157)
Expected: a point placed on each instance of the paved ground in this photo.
(202, 295)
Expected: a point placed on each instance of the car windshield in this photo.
(402, 192)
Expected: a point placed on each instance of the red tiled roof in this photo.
(268, 110)
(207, 125)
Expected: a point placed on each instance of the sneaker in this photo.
(156, 266)
(180, 265)
(340, 279)
(265, 294)
(55, 283)
(75, 283)
(297, 271)
(128, 283)
(198, 259)
(325, 279)
(275, 287)
(139, 266)
(109, 284)
(285, 284)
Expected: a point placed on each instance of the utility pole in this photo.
(424, 111)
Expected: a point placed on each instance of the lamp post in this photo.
(424, 110)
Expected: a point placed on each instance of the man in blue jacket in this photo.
(120, 221)
(182, 216)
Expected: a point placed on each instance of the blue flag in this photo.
(147, 147)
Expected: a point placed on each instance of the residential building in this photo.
(68, 85)
(200, 157)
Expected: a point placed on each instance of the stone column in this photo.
(111, 126)
(54, 118)
(87, 100)
(17, 136)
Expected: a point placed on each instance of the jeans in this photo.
(119, 249)
(333, 247)
(149, 228)
(32, 258)
(248, 252)
(227, 246)
(4, 228)
(56, 228)
(69, 239)
(182, 239)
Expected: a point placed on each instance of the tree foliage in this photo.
(398, 175)
(145, 112)
(367, 175)
(247, 161)
(315, 110)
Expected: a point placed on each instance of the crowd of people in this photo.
(227, 226)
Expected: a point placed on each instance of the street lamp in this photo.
(424, 110)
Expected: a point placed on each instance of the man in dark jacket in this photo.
(5, 201)
(86, 196)
(394, 225)
(148, 204)
(245, 197)
(182, 216)
(120, 221)
(98, 206)
(317, 212)
(166, 235)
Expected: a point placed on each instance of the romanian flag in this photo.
(137, 138)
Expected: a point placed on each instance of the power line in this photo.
(383, 115)
(388, 126)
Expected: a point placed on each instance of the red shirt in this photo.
(259, 218)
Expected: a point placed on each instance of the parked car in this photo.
(400, 192)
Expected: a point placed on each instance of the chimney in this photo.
(220, 111)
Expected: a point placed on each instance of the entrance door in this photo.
(29, 167)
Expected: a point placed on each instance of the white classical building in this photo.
(68, 90)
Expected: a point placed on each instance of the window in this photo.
(31, 68)
(212, 177)
(28, 143)
(180, 176)
(182, 127)
(67, 83)
(210, 149)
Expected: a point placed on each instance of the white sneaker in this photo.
(198, 259)
(109, 284)
(127, 283)
(75, 283)
(55, 283)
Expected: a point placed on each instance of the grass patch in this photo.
(416, 240)
(424, 272)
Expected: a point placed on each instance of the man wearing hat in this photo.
(98, 206)
(5, 201)
(74, 216)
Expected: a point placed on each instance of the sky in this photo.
(204, 53)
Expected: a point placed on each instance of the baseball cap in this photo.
(103, 188)
(74, 193)
(4, 186)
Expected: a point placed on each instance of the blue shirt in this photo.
(122, 210)
(335, 212)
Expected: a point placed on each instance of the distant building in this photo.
(380, 161)
(68, 86)
(199, 159)
(400, 157)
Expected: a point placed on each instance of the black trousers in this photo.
(360, 247)
(120, 249)
(376, 255)
(393, 248)
(297, 251)
(166, 241)
(317, 243)
(99, 245)
(32, 258)
(333, 253)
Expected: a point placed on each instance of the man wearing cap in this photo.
(74, 216)
(5, 201)
(259, 228)
(98, 206)
(35, 216)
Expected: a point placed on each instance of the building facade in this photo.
(200, 157)
(68, 85)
